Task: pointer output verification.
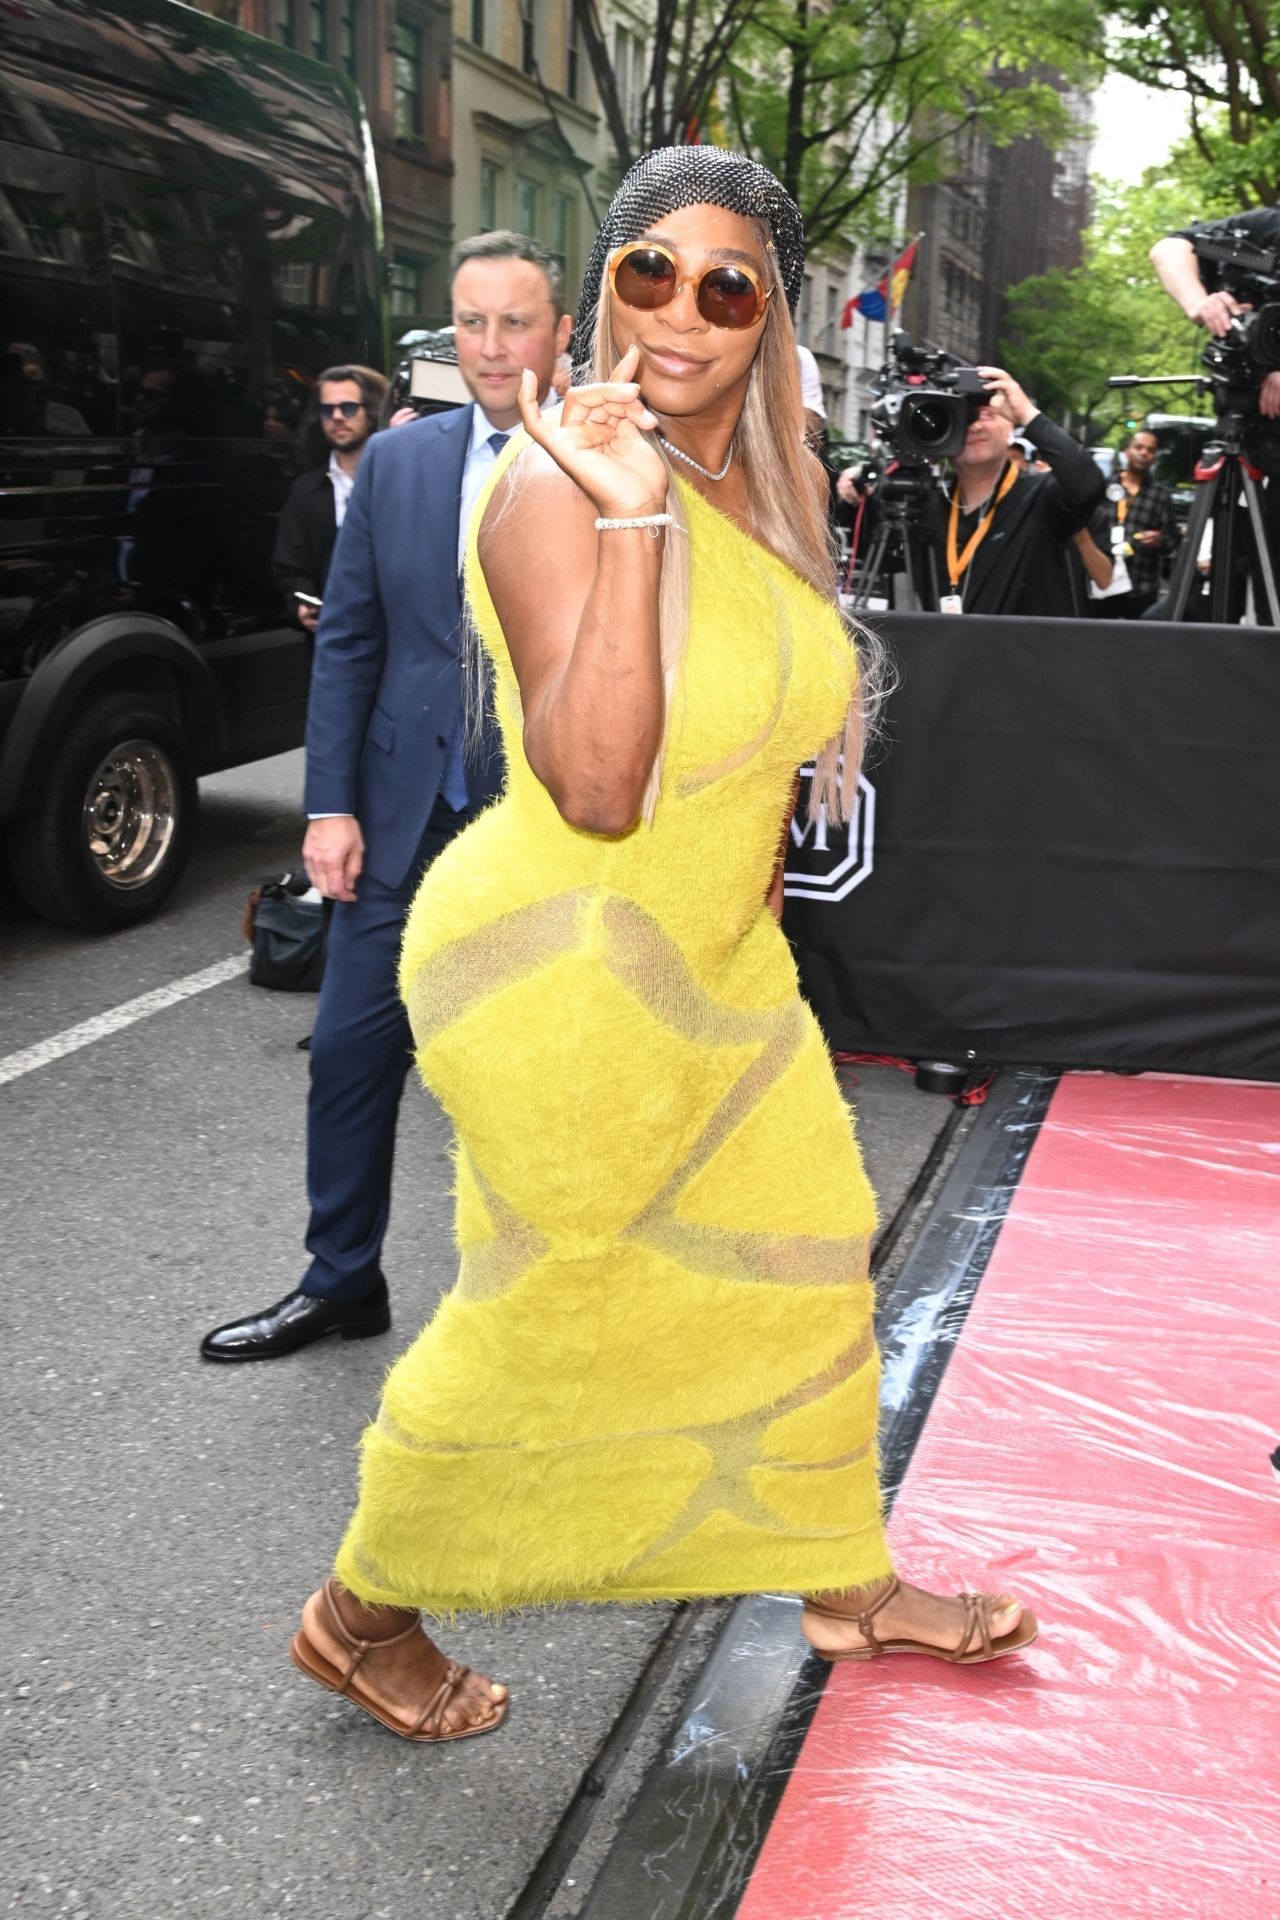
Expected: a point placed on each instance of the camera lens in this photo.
(930, 422)
(1264, 341)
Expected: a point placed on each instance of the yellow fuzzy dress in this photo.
(656, 1375)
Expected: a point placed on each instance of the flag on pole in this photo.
(884, 299)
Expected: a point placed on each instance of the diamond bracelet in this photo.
(651, 521)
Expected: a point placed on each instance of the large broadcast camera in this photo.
(925, 402)
(1240, 360)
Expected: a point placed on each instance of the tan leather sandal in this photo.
(429, 1723)
(976, 1643)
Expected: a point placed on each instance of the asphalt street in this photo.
(165, 1518)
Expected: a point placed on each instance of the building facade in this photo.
(946, 299)
(399, 54)
(526, 129)
(1001, 214)
(1038, 207)
(483, 114)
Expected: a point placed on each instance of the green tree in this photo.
(1066, 332)
(689, 45)
(843, 99)
(1223, 55)
(846, 99)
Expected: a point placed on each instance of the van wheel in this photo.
(112, 818)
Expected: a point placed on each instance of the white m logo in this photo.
(826, 862)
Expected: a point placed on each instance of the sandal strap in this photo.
(977, 1624)
(430, 1720)
(353, 1646)
(860, 1616)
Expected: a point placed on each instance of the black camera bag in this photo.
(288, 935)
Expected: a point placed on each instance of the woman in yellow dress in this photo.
(656, 1377)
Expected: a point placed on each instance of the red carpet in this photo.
(1099, 1446)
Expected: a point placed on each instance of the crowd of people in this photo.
(1084, 540)
(1027, 522)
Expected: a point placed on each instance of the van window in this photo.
(57, 363)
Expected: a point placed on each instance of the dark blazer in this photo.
(386, 689)
(305, 536)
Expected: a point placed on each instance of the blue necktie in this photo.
(453, 780)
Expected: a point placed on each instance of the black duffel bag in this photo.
(288, 933)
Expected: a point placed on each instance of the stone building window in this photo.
(408, 80)
(318, 29)
(562, 229)
(572, 54)
(477, 22)
(528, 36)
(528, 207)
(629, 70)
(347, 38)
(404, 278)
(489, 173)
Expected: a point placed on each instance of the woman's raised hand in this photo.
(601, 438)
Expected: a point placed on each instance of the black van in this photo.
(189, 233)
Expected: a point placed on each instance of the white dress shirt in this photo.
(342, 485)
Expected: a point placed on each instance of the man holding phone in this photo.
(348, 401)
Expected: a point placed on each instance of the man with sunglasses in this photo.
(348, 401)
(388, 781)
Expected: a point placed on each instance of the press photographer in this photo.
(1003, 535)
(1224, 275)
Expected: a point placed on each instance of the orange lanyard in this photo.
(958, 564)
(1122, 506)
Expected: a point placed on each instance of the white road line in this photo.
(45, 1052)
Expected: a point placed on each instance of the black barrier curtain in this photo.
(1068, 852)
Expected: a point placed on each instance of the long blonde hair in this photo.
(788, 519)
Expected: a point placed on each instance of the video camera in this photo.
(925, 402)
(427, 377)
(1242, 357)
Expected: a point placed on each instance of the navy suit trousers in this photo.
(361, 1051)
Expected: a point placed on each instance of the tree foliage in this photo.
(690, 43)
(1067, 331)
(1223, 55)
(845, 99)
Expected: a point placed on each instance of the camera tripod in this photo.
(902, 548)
(1224, 473)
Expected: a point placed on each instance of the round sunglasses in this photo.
(645, 275)
(347, 408)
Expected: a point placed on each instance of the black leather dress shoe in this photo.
(295, 1322)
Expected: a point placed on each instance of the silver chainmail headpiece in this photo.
(672, 177)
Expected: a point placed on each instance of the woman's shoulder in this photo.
(532, 507)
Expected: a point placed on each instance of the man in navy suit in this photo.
(388, 784)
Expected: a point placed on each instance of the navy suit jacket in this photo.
(386, 685)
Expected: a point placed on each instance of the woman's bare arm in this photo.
(579, 608)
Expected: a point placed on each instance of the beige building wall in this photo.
(526, 129)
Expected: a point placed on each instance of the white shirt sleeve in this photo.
(810, 383)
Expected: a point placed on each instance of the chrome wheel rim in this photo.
(130, 814)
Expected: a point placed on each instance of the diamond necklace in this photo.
(696, 465)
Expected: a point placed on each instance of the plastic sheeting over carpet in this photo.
(1099, 1445)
